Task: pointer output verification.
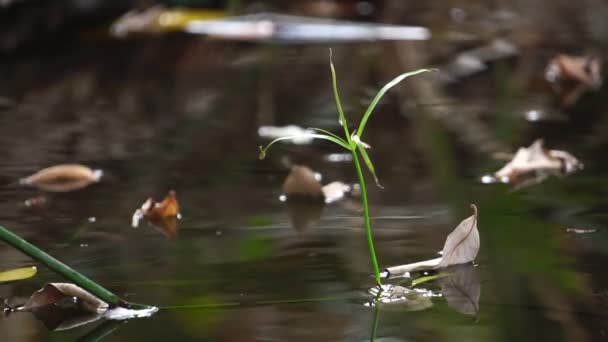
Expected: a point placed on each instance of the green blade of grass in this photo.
(335, 140)
(334, 82)
(383, 91)
(328, 133)
(61, 268)
(18, 274)
(370, 165)
(424, 279)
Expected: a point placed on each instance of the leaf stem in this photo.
(61, 268)
(368, 223)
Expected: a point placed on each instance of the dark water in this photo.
(178, 112)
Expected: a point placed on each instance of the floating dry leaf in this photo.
(163, 215)
(536, 161)
(62, 178)
(571, 76)
(18, 274)
(302, 181)
(53, 293)
(461, 246)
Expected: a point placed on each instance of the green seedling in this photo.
(353, 143)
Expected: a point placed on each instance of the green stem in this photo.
(375, 322)
(368, 223)
(61, 268)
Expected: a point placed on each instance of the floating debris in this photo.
(580, 230)
(571, 76)
(336, 191)
(270, 27)
(461, 247)
(533, 164)
(63, 178)
(163, 215)
(158, 19)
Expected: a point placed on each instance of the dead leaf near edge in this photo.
(461, 247)
(63, 178)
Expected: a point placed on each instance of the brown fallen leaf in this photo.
(302, 181)
(461, 247)
(571, 76)
(163, 215)
(582, 69)
(537, 161)
(52, 293)
(62, 178)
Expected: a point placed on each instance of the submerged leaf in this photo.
(536, 161)
(62, 178)
(461, 247)
(55, 292)
(18, 274)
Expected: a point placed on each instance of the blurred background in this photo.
(170, 95)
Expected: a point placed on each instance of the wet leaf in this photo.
(62, 178)
(58, 318)
(18, 274)
(163, 215)
(302, 181)
(461, 247)
(536, 161)
(53, 293)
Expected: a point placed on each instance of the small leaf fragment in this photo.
(162, 214)
(18, 274)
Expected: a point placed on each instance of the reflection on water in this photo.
(179, 112)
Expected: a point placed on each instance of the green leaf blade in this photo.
(334, 82)
(383, 91)
(334, 139)
(18, 274)
(369, 164)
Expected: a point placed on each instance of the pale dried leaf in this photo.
(461, 246)
(54, 292)
(62, 178)
(537, 159)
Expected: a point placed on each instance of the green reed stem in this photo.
(368, 223)
(61, 268)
